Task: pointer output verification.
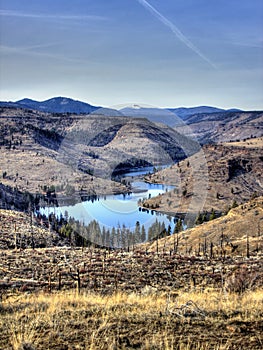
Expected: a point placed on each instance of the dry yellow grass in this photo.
(33, 169)
(214, 178)
(194, 320)
(251, 143)
(241, 223)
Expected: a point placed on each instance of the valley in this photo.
(212, 247)
(131, 186)
(81, 153)
(63, 158)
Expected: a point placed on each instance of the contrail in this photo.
(175, 30)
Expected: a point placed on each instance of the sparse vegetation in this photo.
(64, 285)
(233, 176)
(149, 320)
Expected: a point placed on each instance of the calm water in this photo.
(118, 210)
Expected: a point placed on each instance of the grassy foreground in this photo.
(185, 320)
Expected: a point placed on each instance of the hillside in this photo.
(21, 230)
(233, 234)
(215, 177)
(205, 124)
(203, 258)
(185, 113)
(170, 116)
(223, 126)
(76, 154)
(190, 320)
(160, 294)
(31, 158)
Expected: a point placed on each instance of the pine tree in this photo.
(178, 226)
(212, 215)
(137, 232)
(143, 234)
(199, 219)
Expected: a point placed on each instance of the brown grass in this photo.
(193, 320)
(251, 143)
(31, 170)
(241, 224)
(222, 179)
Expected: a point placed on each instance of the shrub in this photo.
(241, 280)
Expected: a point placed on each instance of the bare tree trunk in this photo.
(248, 253)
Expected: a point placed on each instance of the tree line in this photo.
(82, 235)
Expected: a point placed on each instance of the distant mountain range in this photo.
(53, 105)
(184, 113)
(169, 116)
(223, 126)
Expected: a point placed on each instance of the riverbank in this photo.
(118, 210)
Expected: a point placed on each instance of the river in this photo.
(121, 209)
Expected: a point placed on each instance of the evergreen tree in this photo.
(212, 215)
(199, 219)
(137, 232)
(104, 237)
(143, 234)
(234, 204)
(179, 226)
(113, 238)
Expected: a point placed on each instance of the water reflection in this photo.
(118, 210)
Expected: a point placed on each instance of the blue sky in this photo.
(165, 53)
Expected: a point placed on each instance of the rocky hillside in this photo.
(215, 178)
(223, 126)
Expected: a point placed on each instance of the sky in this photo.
(164, 53)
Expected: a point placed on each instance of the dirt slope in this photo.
(228, 234)
(216, 177)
